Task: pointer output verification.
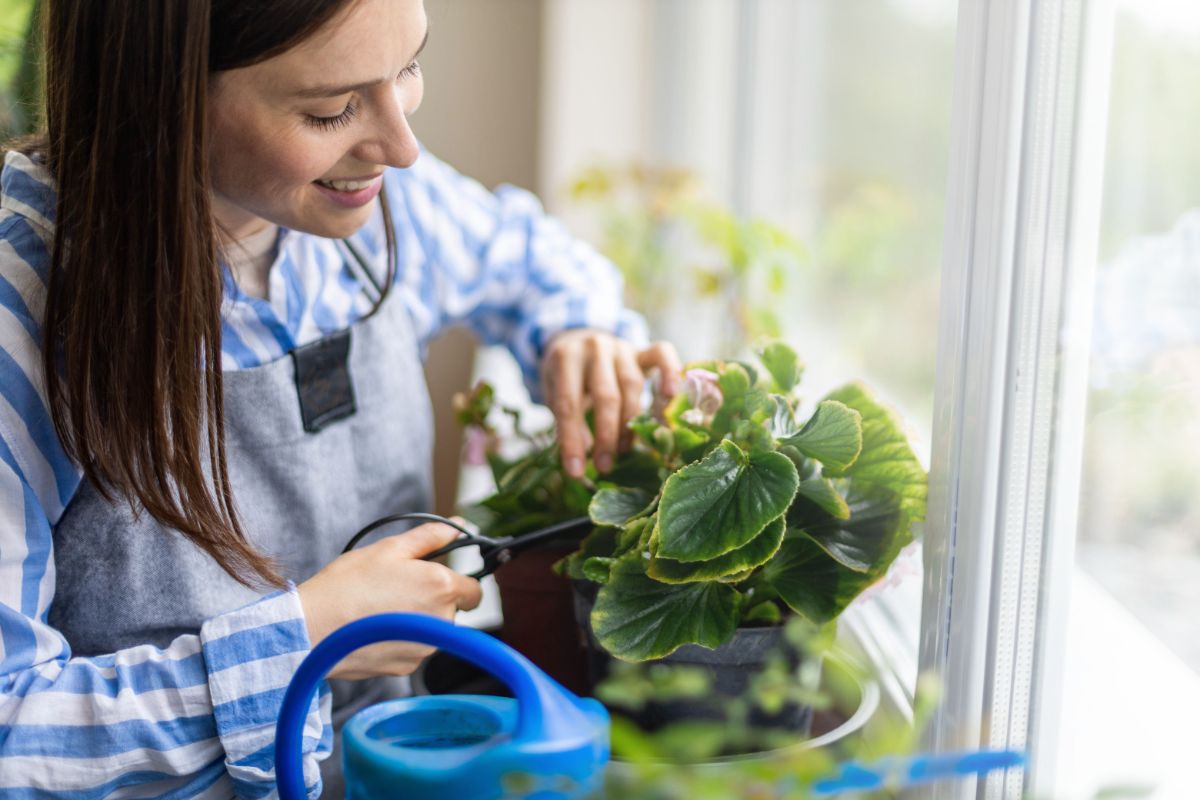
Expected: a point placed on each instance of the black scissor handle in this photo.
(418, 515)
(495, 552)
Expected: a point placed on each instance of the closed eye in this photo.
(351, 111)
(333, 123)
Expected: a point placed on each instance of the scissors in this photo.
(495, 552)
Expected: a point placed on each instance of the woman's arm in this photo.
(516, 276)
(194, 717)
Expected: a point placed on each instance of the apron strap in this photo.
(357, 264)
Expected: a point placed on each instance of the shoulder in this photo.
(28, 441)
(27, 200)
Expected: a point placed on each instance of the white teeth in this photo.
(348, 186)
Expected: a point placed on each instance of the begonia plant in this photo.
(733, 508)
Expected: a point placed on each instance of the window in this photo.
(1133, 651)
(1063, 479)
(826, 119)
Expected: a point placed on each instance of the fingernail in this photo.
(575, 467)
(604, 462)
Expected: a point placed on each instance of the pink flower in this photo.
(704, 394)
(477, 443)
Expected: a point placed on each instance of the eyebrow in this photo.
(312, 92)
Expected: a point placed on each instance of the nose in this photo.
(391, 140)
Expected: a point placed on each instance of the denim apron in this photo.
(125, 580)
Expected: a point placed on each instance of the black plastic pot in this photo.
(730, 668)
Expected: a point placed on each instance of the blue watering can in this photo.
(546, 743)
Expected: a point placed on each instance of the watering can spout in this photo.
(464, 747)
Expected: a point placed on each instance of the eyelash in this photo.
(343, 119)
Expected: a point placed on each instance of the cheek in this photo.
(250, 161)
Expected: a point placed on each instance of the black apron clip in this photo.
(323, 380)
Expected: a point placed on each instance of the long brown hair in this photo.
(132, 327)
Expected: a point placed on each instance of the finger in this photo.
(422, 540)
(606, 401)
(470, 593)
(632, 381)
(663, 356)
(564, 369)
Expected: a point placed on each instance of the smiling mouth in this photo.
(348, 186)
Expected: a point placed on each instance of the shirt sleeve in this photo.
(195, 716)
(193, 719)
(497, 263)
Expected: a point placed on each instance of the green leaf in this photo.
(598, 568)
(692, 741)
(783, 364)
(887, 461)
(524, 523)
(765, 613)
(825, 495)
(601, 542)
(498, 465)
(870, 539)
(663, 440)
(833, 436)
(530, 472)
(636, 469)
(753, 436)
(751, 370)
(810, 582)
(754, 554)
(643, 426)
(637, 619)
(737, 577)
(721, 502)
(616, 506)
(687, 439)
(630, 537)
(734, 380)
(783, 422)
(758, 405)
(576, 497)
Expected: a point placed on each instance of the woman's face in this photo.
(301, 140)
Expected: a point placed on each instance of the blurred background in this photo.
(765, 168)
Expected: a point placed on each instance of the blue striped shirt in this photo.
(196, 719)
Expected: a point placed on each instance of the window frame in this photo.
(1026, 166)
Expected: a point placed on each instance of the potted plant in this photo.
(736, 508)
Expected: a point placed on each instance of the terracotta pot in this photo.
(539, 616)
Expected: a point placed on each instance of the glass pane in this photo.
(767, 169)
(1133, 670)
(815, 136)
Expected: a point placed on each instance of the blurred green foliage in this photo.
(661, 229)
(19, 68)
(677, 762)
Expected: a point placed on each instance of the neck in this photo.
(234, 224)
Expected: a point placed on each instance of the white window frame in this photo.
(1031, 88)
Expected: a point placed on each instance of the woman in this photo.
(217, 271)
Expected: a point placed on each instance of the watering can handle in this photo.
(535, 692)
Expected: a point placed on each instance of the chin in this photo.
(337, 226)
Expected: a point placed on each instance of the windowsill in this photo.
(1129, 707)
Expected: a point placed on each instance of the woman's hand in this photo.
(584, 368)
(386, 576)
